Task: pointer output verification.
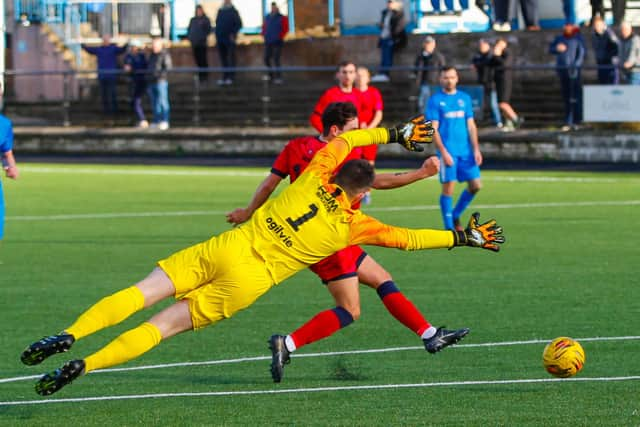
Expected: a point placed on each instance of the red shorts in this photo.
(340, 265)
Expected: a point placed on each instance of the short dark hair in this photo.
(446, 68)
(355, 176)
(337, 114)
(345, 63)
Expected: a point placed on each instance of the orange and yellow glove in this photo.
(485, 236)
(409, 135)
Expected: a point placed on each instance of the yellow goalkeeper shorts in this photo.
(219, 277)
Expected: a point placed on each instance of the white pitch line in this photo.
(151, 170)
(64, 217)
(325, 354)
(316, 390)
(147, 171)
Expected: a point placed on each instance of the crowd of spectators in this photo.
(616, 54)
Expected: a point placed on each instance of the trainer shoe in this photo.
(443, 338)
(47, 346)
(54, 381)
(280, 356)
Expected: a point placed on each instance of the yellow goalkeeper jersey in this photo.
(312, 218)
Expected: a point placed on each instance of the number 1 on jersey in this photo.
(295, 223)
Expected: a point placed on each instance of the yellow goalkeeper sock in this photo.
(107, 312)
(127, 346)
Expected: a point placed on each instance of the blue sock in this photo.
(446, 205)
(465, 198)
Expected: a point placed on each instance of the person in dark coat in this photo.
(197, 33)
(274, 28)
(481, 62)
(392, 38)
(228, 24)
(605, 46)
(570, 51)
(502, 62)
(427, 68)
(135, 63)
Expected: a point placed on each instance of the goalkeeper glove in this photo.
(417, 130)
(485, 236)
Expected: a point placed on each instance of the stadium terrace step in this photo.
(257, 103)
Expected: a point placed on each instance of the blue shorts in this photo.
(463, 169)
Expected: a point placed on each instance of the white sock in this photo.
(429, 332)
(291, 346)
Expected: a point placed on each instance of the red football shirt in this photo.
(371, 101)
(296, 155)
(334, 94)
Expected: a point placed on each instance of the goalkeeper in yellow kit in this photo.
(213, 280)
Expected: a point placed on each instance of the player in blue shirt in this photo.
(8, 161)
(456, 140)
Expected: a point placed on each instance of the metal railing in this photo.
(77, 87)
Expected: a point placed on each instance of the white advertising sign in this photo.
(611, 103)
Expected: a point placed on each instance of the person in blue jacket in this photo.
(107, 56)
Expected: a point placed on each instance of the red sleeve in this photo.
(285, 27)
(316, 116)
(369, 152)
(264, 27)
(280, 165)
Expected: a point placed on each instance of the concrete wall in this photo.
(614, 147)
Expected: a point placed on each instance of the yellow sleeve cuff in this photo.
(362, 137)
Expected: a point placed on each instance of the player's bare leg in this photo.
(347, 297)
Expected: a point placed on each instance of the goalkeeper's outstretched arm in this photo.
(369, 231)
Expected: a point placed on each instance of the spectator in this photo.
(228, 23)
(502, 63)
(198, 33)
(464, 4)
(504, 13)
(486, 7)
(605, 47)
(597, 9)
(630, 53)
(107, 57)
(427, 67)
(8, 161)
(344, 91)
(481, 62)
(158, 66)
(135, 63)
(618, 8)
(392, 38)
(569, 10)
(456, 139)
(570, 51)
(274, 28)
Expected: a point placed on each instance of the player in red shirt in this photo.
(370, 114)
(343, 92)
(345, 269)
